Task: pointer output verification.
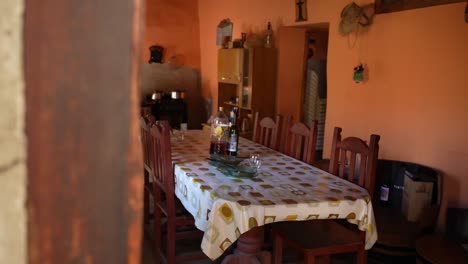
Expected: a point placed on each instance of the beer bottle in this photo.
(233, 143)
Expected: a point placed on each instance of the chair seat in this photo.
(318, 234)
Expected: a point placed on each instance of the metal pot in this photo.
(157, 95)
(177, 95)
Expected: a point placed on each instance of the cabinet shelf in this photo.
(250, 75)
(240, 107)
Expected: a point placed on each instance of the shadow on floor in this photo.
(148, 257)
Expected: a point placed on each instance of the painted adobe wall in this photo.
(250, 17)
(12, 137)
(174, 25)
(415, 97)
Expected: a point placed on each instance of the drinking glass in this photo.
(183, 130)
(255, 160)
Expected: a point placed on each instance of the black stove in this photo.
(166, 108)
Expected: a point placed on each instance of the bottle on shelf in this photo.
(219, 134)
(269, 37)
(233, 145)
(385, 189)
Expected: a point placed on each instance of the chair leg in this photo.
(362, 256)
(170, 242)
(325, 259)
(157, 233)
(277, 248)
(157, 228)
(145, 201)
(309, 259)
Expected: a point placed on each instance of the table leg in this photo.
(249, 249)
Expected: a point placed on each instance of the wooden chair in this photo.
(266, 131)
(146, 122)
(342, 164)
(145, 137)
(170, 218)
(299, 140)
(322, 238)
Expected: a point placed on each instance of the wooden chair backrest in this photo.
(145, 142)
(150, 119)
(300, 140)
(266, 131)
(163, 170)
(346, 153)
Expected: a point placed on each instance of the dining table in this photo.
(228, 208)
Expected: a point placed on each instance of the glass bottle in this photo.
(269, 36)
(233, 134)
(219, 134)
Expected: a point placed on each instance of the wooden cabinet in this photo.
(230, 65)
(247, 79)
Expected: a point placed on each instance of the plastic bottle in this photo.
(219, 134)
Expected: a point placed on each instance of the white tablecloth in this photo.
(285, 189)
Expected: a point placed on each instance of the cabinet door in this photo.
(230, 64)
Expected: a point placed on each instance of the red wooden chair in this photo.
(299, 140)
(146, 122)
(171, 221)
(146, 145)
(266, 131)
(322, 238)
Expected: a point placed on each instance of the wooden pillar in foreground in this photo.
(84, 158)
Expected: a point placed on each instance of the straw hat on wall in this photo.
(354, 15)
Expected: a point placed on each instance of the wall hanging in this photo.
(301, 10)
(353, 16)
(224, 33)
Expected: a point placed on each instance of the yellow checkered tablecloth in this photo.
(285, 189)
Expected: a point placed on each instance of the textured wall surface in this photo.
(12, 137)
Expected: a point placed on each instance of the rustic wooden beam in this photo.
(84, 160)
(388, 6)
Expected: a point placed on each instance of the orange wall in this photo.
(174, 25)
(247, 16)
(418, 68)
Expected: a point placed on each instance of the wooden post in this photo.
(84, 157)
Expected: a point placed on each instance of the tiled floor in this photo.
(148, 254)
(148, 257)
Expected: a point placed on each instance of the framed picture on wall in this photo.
(301, 10)
(388, 6)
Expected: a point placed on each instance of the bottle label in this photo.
(233, 143)
(384, 191)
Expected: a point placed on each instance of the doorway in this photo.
(315, 87)
(302, 77)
